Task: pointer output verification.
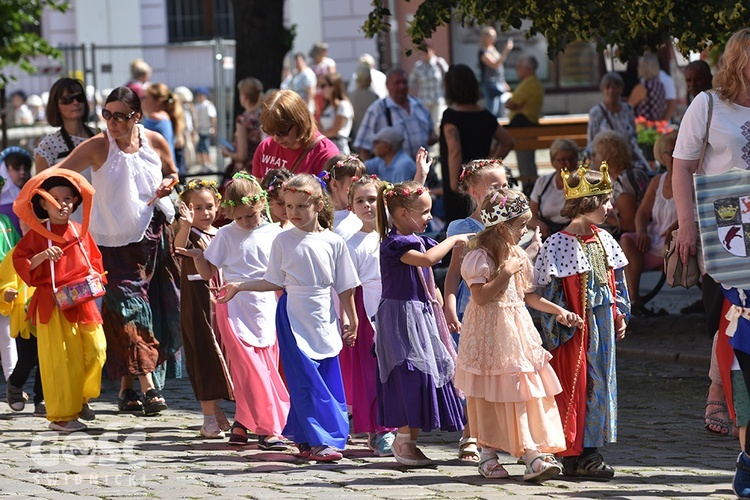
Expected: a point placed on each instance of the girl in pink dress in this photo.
(502, 367)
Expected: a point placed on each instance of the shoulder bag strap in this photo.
(304, 153)
(708, 127)
(607, 117)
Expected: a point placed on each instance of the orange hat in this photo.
(29, 197)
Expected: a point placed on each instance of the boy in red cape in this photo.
(57, 252)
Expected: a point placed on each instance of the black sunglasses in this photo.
(119, 117)
(280, 134)
(68, 99)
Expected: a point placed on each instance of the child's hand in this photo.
(620, 326)
(569, 318)
(226, 292)
(186, 213)
(349, 335)
(512, 265)
(188, 252)
(423, 162)
(10, 294)
(462, 239)
(454, 325)
(53, 253)
(536, 244)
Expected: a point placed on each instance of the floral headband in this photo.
(391, 191)
(246, 200)
(212, 186)
(473, 167)
(504, 210)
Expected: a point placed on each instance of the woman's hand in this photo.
(686, 238)
(167, 185)
(642, 241)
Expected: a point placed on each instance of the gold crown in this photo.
(727, 212)
(583, 188)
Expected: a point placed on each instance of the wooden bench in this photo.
(550, 128)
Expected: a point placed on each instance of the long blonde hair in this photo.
(729, 81)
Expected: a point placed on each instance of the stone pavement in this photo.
(662, 449)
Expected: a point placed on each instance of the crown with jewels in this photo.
(504, 209)
(584, 188)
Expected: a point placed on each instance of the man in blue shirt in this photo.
(391, 163)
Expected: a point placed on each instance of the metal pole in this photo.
(219, 99)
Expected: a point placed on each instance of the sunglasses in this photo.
(281, 134)
(68, 99)
(119, 117)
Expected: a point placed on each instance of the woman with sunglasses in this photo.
(338, 114)
(133, 172)
(293, 141)
(68, 109)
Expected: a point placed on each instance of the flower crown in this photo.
(504, 210)
(212, 186)
(391, 191)
(584, 188)
(475, 166)
(246, 200)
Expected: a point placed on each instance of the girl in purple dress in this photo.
(416, 360)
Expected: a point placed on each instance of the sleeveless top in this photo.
(488, 74)
(124, 185)
(655, 103)
(663, 215)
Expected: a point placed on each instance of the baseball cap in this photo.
(390, 135)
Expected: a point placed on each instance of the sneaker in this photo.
(741, 481)
(87, 413)
(69, 426)
(15, 398)
(381, 443)
(406, 453)
(210, 430)
(40, 410)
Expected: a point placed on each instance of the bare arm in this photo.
(638, 94)
(347, 304)
(40, 163)
(338, 123)
(502, 143)
(53, 253)
(229, 290)
(204, 267)
(434, 254)
(626, 207)
(564, 316)
(452, 280)
(453, 141)
(92, 152)
(670, 109)
(483, 293)
(240, 141)
(682, 189)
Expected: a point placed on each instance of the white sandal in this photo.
(541, 468)
(491, 469)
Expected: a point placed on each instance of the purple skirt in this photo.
(410, 398)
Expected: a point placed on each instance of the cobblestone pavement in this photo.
(663, 450)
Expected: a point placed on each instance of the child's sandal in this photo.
(467, 450)
(541, 468)
(130, 402)
(238, 439)
(491, 469)
(153, 402)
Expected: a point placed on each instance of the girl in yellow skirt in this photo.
(53, 254)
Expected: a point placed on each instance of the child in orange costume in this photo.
(72, 347)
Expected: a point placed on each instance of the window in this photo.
(191, 20)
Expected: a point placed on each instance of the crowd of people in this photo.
(278, 283)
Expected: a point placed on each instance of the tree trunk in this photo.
(262, 42)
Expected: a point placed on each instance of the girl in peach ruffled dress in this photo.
(502, 367)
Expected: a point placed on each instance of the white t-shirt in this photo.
(329, 114)
(728, 142)
(308, 265)
(243, 255)
(670, 92)
(204, 113)
(346, 224)
(303, 81)
(553, 200)
(364, 249)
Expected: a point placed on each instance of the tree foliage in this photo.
(632, 25)
(19, 41)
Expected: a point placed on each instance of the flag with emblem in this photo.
(723, 202)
